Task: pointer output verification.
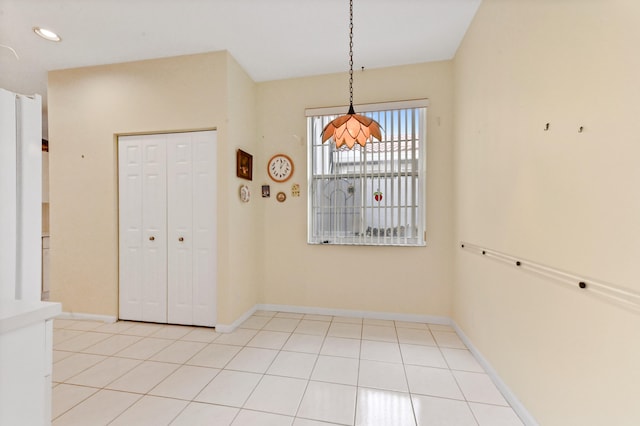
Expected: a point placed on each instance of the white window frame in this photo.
(363, 233)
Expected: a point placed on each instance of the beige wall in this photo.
(565, 199)
(241, 256)
(384, 279)
(87, 108)
(263, 255)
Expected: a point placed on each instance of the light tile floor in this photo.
(276, 369)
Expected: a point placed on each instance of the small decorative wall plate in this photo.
(295, 190)
(281, 196)
(244, 193)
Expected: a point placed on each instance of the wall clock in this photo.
(280, 168)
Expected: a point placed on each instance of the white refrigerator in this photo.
(26, 327)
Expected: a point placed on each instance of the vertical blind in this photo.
(371, 195)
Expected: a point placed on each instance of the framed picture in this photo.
(266, 191)
(244, 165)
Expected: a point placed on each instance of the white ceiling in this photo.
(271, 39)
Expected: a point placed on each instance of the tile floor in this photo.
(276, 369)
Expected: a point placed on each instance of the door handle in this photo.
(151, 238)
(181, 239)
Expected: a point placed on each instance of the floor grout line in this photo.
(365, 334)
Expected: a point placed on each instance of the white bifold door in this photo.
(167, 221)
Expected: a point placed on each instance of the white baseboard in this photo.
(228, 328)
(511, 398)
(89, 317)
(515, 403)
(432, 319)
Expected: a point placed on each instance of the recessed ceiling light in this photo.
(47, 34)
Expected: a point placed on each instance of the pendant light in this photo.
(351, 128)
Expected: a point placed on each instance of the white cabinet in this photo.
(26, 336)
(167, 205)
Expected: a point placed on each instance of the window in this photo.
(372, 195)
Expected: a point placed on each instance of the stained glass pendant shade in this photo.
(351, 128)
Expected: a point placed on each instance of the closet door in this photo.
(191, 194)
(143, 228)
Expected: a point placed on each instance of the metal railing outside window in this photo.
(371, 195)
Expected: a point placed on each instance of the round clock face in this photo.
(280, 168)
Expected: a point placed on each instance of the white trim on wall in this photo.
(431, 319)
(360, 108)
(87, 317)
(511, 398)
(228, 328)
(356, 314)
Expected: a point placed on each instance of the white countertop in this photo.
(15, 314)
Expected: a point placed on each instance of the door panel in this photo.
(142, 196)
(204, 228)
(130, 235)
(154, 220)
(180, 224)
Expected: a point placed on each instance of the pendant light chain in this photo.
(351, 53)
(351, 128)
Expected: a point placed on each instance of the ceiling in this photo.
(271, 39)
